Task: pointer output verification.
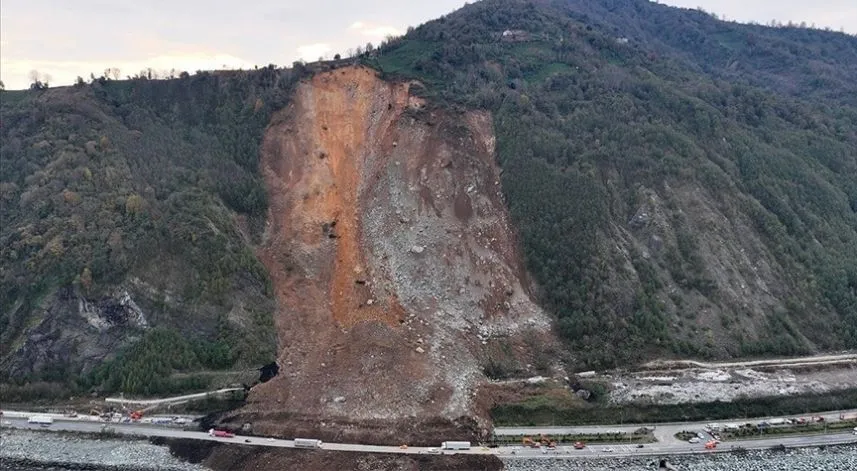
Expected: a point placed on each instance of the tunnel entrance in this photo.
(268, 371)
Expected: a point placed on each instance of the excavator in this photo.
(529, 442)
(543, 440)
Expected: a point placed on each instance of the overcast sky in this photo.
(67, 38)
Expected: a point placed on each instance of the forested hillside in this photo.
(681, 185)
(127, 208)
(678, 186)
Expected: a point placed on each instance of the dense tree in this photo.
(600, 105)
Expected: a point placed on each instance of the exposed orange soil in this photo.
(388, 248)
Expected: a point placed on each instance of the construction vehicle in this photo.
(529, 442)
(711, 444)
(545, 440)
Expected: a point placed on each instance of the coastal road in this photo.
(664, 432)
(592, 451)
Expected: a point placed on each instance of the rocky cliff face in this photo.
(392, 259)
(74, 333)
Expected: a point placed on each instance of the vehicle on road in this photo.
(640, 445)
(609, 450)
(433, 451)
(579, 445)
(220, 433)
(694, 440)
(710, 445)
(42, 420)
(307, 443)
(455, 445)
(246, 440)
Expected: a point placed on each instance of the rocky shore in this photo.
(839, 458)
(29, 450)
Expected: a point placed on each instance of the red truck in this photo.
(220, 433)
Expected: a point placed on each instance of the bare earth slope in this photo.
(392, 260)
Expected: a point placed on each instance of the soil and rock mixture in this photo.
(217, 457)
(709, 382)
(33, 450)
(393, 263)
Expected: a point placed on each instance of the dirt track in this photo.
(784, 362)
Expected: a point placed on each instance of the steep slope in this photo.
(675, 185)
(392, 260)
(124, 209)
(670, 200)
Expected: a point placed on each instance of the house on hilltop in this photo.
(514, 35)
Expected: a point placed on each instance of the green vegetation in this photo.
(139, 185)
(685, 435)
(146, 367)
(681, 186)
(750, 431)
(728, 138)
(545, 410)
(587, 438)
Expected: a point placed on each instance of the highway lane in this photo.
(592, 451)
(664, 432)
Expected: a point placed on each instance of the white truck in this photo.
(455, 445)
(43, 420)
(307, 443)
